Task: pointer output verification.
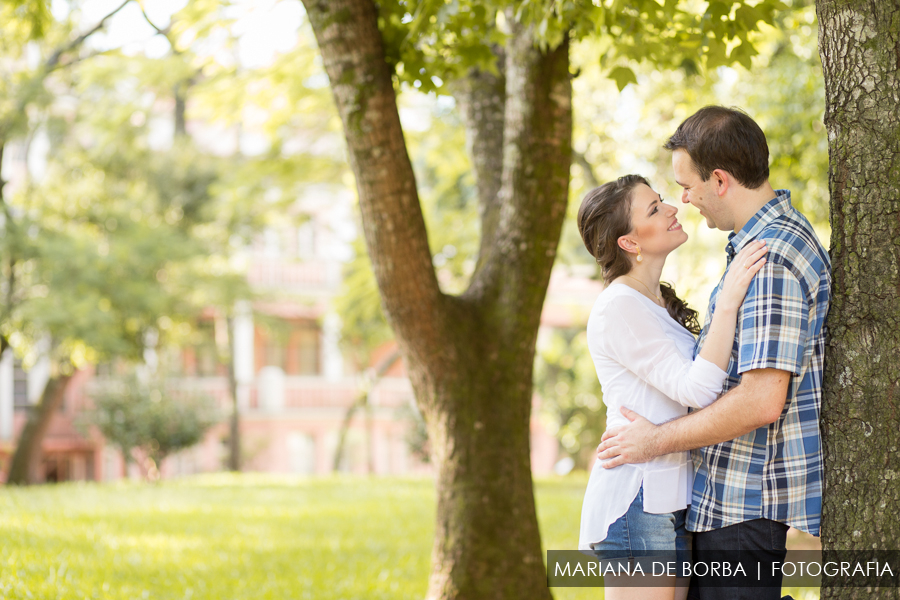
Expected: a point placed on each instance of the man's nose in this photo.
(684, 197)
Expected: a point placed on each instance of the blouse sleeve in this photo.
(634, 337)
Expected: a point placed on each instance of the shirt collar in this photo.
(774, 208)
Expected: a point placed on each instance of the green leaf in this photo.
(622, 76)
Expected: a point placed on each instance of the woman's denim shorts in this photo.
(647, 537)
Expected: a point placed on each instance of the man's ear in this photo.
(721, 181)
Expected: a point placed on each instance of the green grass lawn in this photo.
(223, 537)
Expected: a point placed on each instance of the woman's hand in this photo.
(744, 267)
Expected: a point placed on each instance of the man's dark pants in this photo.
(760, 539)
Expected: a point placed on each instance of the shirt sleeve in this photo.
(773, 322)
(635, 339)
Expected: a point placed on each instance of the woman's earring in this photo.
(639, 257)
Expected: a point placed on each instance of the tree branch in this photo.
(482, 100)
(82, 58)
(535, 180)
(589, 178)
(163, 32)
(51, 64)
(55, 57)
(372, 377)
(9, 228)
(354, 58)
(180, 89)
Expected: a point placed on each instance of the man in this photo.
(757, 451)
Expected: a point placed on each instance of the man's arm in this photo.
(757, 401)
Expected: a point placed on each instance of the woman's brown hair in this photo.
(604, 217)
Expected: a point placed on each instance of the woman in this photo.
(639, 336)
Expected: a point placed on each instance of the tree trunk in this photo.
(225, 342)
(24, 469)
(860, 51)
(234, 434)
(180, 109)
(2, 181)
(487, 542)
(469, 358)
(6, 307)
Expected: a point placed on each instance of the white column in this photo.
(332, 360)
(6, 395)
(151, 358)
(271, 389)
(243, 342)
(244, 366)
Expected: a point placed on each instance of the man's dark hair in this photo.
(716, 137)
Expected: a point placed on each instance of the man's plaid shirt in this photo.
(774, 472)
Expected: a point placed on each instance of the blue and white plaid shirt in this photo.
(774, 472)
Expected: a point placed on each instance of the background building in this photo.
(295, 386)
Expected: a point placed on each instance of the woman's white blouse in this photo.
(643, 361)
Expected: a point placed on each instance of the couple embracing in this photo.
(712, 445)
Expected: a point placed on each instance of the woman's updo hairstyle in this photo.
(604, 217)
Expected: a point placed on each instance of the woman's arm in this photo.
(630, 333)
(720, 338)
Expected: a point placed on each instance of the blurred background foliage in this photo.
(124, 225)
(150, 420)
(131, 225)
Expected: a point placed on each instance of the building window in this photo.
(304, 349)
(294, 348)
(275, 352)
(205, 350)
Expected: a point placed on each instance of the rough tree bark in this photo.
(860, 50)
(25, 467)
(469, 357)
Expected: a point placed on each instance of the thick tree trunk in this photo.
(487, 525)
(860, 50)
(469, 358)
(487, 542)
(24, 469)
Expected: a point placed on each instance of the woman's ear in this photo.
(628, 244)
